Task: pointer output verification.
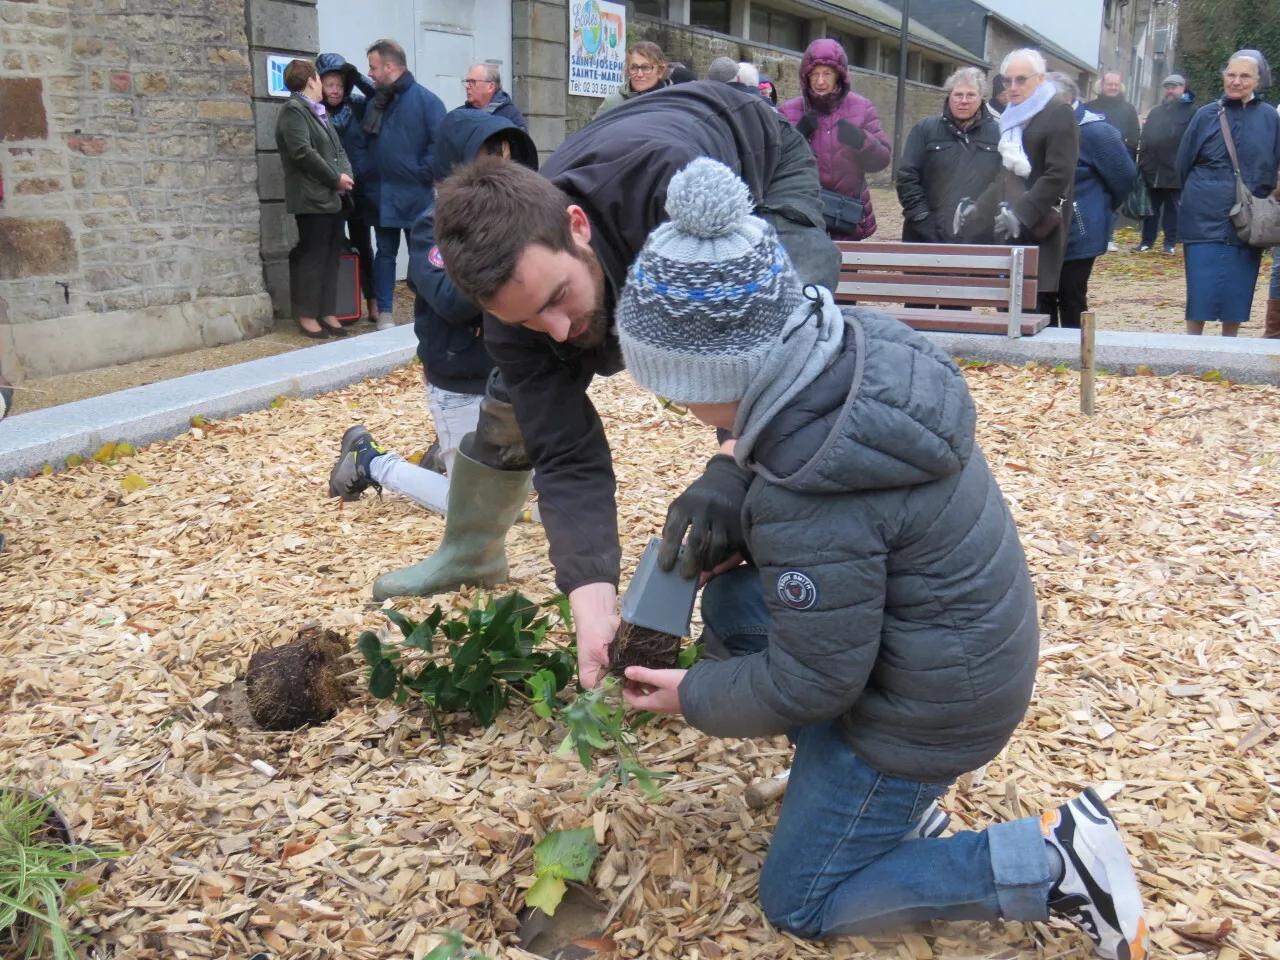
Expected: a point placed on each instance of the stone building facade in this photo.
(130, 220)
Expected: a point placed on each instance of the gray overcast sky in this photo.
(1073, 24)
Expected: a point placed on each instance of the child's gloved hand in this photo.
(711, 511)
(657, 691)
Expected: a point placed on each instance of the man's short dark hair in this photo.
(297, 74)
(487, 213)
(389, 51)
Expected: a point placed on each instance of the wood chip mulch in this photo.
(1153, 533)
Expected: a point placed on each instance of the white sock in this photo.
(425, 487)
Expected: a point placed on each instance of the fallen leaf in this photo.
(469, 894)
(105, 452)
(133, 482)
(74, 460)
(1206, 931)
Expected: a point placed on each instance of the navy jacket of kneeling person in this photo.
(448, 325)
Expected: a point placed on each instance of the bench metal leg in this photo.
(1017, 275)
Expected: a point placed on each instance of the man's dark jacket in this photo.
(1120, 113)
(1161, 137)
(942, 165)
(617, 169)
(447, 324)
(393, 168)
(502, 106)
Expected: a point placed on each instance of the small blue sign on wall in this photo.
(275, 75)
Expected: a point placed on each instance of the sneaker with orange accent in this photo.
(1098, 889)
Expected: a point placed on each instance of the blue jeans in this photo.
(838, 864)
(1275, 277)
(384, 266)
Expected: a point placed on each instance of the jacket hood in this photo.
(334, 63)
(465, 130)
(891, 410)
(824, 53)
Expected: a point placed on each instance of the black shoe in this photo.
(350, 475)
(313, 334)
(432, 460)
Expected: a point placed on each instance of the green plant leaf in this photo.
(383, 679)
(567, 854)
(469, 653)
(488, 703)
(370, 648)
(689, 656)
(421, 637)
(477, 679)
(406, 625)
(545, 894)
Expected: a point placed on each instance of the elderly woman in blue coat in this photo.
(1104, 176)
(1221, 270)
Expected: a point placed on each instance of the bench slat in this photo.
(859, 258)
(939, 292)
(926, 282)
(1031, 254)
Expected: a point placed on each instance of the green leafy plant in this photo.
(559, 856)
(476, 662)
(38, 875)
(454, 948)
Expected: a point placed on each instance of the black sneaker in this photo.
(350, 475)
(1098, 889)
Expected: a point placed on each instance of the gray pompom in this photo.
(707, 199)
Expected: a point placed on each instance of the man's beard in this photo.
(598, 319)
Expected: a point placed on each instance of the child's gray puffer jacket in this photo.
(899, 594)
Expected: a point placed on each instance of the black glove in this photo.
(808, 123)
(850, 135)
(711, 510)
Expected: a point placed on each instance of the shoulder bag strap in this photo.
(1231, 143)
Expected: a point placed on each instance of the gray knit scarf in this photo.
(811, 338)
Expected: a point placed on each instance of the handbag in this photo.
(843, 215)
(1137, 205)
(1257, 219)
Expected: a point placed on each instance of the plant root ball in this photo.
(299, 682)
(634, 646)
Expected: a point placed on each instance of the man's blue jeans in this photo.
(838, 864)
(1274, 294)
(384, 266)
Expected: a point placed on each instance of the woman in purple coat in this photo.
(844, 132)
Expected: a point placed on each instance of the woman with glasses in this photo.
(1221, 271)
(646, 71)
(948, 157)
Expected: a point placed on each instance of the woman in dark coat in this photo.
(316, 174)
(947, 158)
(345, 93)
(1221, 271)
(1105, 174)
(843, 130)
(1039, 145)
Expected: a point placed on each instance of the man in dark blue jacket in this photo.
(484, 92)
(455, 363)
(393, 158)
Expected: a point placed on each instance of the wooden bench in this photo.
(931, 275)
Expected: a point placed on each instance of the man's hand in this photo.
(711, 511)
(345, 182)
(595, 621)
(655, 690)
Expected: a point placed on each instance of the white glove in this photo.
(964, 210)
(1008, 226)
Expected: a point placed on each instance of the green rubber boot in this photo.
(483, 504)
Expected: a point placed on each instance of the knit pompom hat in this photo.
(710, 293)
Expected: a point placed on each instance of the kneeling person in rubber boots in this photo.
(888, 623)
(455, 364)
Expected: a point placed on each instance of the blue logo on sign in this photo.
(275, 75)
(796, 590)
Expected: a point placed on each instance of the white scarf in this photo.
(1015, 117)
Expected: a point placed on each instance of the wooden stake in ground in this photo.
(1088, 336)
(299, 682)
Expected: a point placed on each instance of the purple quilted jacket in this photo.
(840, 167)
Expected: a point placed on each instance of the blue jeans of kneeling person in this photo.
(838, 863)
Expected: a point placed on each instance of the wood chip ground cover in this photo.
(1152, 533)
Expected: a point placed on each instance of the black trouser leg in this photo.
(362, 240)
(331, 256)
(1047, 303)
(1171, 199)
(1073, 291)
(313, 264)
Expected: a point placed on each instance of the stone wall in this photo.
(540, 68)
(130, 224)
(697, 48)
